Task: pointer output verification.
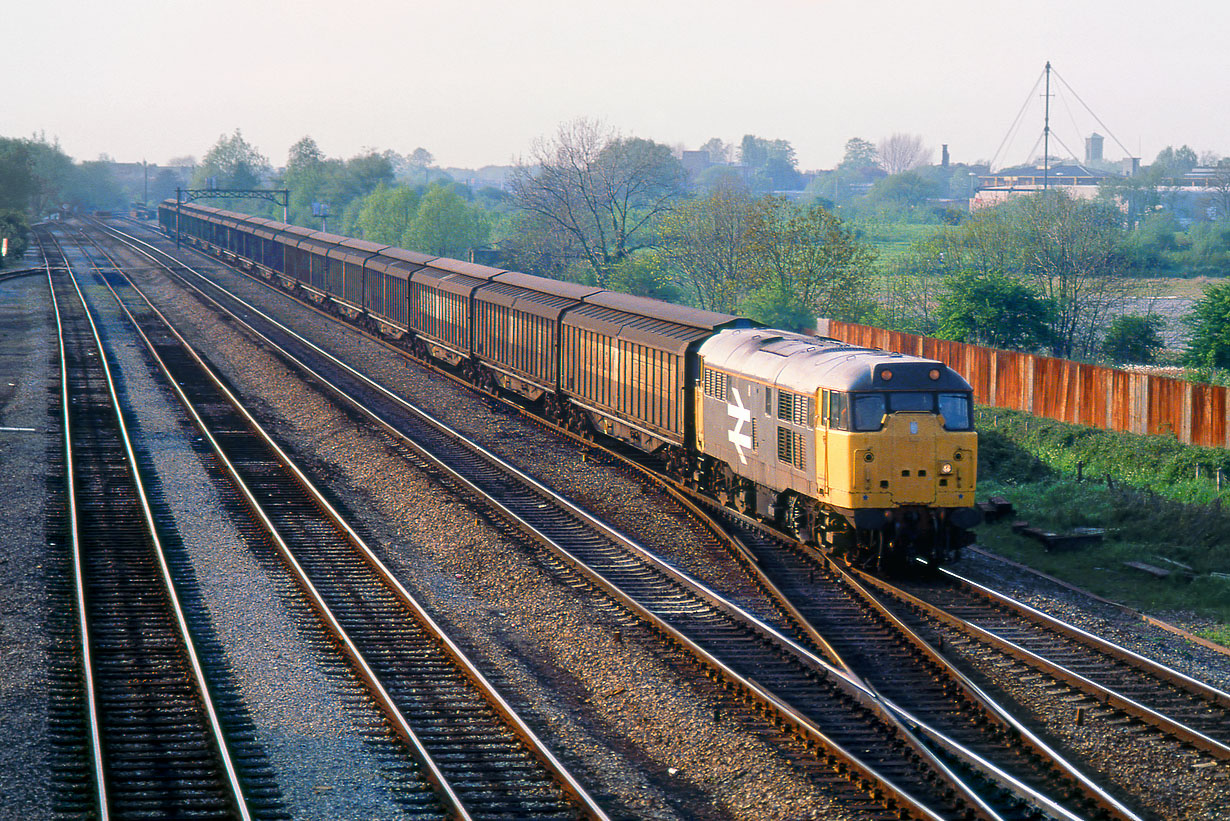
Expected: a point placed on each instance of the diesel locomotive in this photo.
(870, 453)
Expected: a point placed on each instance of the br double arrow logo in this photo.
(742, 416)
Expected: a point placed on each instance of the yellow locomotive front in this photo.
(901, 462)
(871, 453)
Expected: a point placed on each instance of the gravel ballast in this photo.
(31, 430)
(308, 713)
(550, 640)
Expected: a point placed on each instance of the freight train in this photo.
(869, 453)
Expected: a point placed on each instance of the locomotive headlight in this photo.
(946, 468)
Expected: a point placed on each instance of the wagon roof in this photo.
(447, 282)
(536, 303)
(547, 287)
(664, 311)
(411, 257)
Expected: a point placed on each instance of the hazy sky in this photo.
(475, 81)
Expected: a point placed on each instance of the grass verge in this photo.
(1153, 508)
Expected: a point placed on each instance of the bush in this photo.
(1134, 339)
(13, 226)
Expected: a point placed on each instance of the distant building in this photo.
(1077, 180)
(1093, 148)
(694, 162)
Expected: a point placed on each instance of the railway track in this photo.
(820, 702)
(1192, 714)
(476, 758)
(1119, 680)
(863, 637)
(154, 742)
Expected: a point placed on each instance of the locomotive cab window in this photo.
(912, 402)
(869, 409)
(839, 411)
(954, 407)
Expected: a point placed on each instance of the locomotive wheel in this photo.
(745, 497)
(796, 519)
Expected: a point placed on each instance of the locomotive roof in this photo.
(804, 363)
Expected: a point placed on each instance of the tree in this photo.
(307, 173)
(1208, 345)
(385, 215)
(363, 174)
(992, 309)
(1070, 250)
(16, 175)
(93, 186)
(644, 274)
(908, 189)
(446, 225)
(304, 156)
(1219, 188)
(772, 163)
(859, 154)
(231, 163)
(34, 174)
(421, 160)
(903, 152)
(810, 262)
(705, 247)
(1134, 339)
(603, 192)
(1175, 162)
(719, 151)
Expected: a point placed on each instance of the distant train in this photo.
(872, 454)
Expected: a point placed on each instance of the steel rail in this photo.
(1099, 691)
(990, 708)
(95, 744)
(200, 684)
(566, 780)
(802, 722)
(1105, 646)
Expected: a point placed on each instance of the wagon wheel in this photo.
(551, 407)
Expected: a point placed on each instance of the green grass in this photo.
(1220, 634)
(1153, 509)
(891, 240)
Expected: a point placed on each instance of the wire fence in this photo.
(1075, 392)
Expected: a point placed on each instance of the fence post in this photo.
(1185, 432)
(992, 378)
(1027, 383)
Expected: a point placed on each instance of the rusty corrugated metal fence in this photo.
(1068, 391)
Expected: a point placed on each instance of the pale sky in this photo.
(476, 81)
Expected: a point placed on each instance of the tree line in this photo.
(1044, 273)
